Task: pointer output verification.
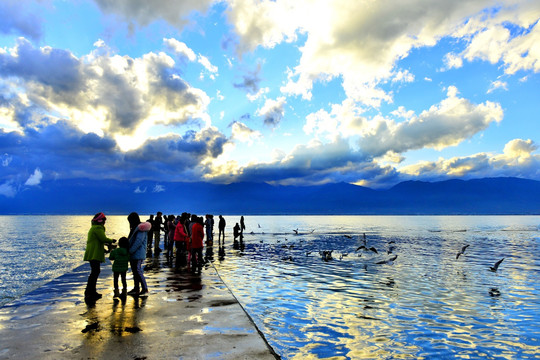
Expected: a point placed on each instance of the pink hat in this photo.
(99, 218)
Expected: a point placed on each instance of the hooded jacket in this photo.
(138, 241)
(180, 233)
(121, 259)
(95, 249)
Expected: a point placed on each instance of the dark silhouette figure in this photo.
(221, 228)
(150, 234)
(242, 226)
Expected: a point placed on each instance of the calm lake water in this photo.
(424, 304)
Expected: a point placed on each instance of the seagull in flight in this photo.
(496, 266)
(462, 251)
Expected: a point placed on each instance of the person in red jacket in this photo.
(197, 241)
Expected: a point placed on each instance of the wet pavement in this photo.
(185, 316)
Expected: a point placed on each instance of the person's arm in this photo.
(100, 234)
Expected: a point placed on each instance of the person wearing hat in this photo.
(95, 254)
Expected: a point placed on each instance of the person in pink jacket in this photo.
(180, 240)
(197, 242)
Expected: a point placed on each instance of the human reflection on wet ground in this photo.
(185, 315)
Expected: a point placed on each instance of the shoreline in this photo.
(193, 316)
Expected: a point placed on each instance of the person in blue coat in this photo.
(138, 242)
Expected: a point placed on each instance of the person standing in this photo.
(180, 239)
(221, 228)
(95, 254)
(120, 256)
(150, 234)
(156, 227)
(242, 226)
(197, 241)
(138, 243)
(209, 222)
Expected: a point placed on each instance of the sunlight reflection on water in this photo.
(426, 304)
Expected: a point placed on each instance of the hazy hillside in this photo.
(482, 196)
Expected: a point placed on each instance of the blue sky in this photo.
(285, 92)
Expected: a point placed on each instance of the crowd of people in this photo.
(183, 237)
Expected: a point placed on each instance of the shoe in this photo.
(92, 297)
(144, 292)
(134, 292)
(116, 293)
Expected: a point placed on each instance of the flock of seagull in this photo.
(326, 255)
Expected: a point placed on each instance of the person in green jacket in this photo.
(120, 255)
(95, 254)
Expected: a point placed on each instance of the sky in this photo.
(302, 92)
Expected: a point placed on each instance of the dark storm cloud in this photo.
(57, 149)
(175, 153)
(62, 151)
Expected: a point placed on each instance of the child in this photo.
(120, 256)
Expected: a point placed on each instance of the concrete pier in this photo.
(185, 316)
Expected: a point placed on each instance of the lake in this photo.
(424, 304)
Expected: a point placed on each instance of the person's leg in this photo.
(136, 277)
(193, 259)
(200, 258)
(95, 269)
(124, 282)
(156, 241)
(144, 286)
(116, 292)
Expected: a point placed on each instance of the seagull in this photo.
(259, 225)
(360, 248)
(296, 231)
(387, 261)
(348, 236)
(496, 266)
(390, 250)
(462, 251)
(374, 250)
(326, 255)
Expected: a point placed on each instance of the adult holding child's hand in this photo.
(95, 254)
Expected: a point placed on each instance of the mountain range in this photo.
(489, 196)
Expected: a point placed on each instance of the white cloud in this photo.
(104, 93)
(446, 124)
(203, 60)
(244, 134)
(273, 111)
(138, 190)
(452, 61)
(180, 48)
(35, 178)
(517, 160)
(6, 160)
(145, 12)
(497, 84)
(158, 188)
(490, 37)
(361, 42)
(8, 190)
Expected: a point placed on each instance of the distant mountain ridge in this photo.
(489, 196)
